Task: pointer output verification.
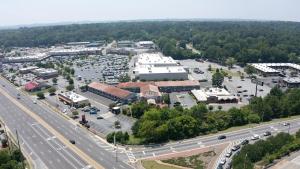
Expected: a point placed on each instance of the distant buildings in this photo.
(291, 82)
(271, 69)
(146, 45)
(27, 69)
(155, 66)
(1, 61)
(73, 99)
(125, 43)
(214, 95)
(45, 73)
(111, 92)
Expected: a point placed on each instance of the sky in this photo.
(24, 12)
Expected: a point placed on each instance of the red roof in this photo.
(112, 90)
(159, 84)
(31, 85)
(133, 84)
(177, 83)
(150, 90)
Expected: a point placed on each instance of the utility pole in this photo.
(245, 161)
(116, 145)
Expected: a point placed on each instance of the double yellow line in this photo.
(65, 141)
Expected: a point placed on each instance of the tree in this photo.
(40, 95)
(75, 113)
(54, 80)
(249, 70)
(52, 91)
(71, 81)
(230, 62)
(124, 78)
(70, 87)
(166, 98)
(217, 79)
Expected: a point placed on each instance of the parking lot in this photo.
(185, 99)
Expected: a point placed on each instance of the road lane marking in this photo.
(75, 149)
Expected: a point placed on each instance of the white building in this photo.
(155, 66)
(45, 73)
(214, 95)
(145, 44)
(271, 69)
(73, 99)
(152, 73)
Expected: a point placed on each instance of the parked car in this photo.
(244, 142)
(223, 161)
(221, 137)
(99, 117)
(235, 148)
(255, 137)
(267, 133)
(286, 124)
(228, 154)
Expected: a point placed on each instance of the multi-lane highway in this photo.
(200, 142)
(43, 142)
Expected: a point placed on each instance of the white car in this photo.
(223, 161)
(255, 137)
(228, 154)
(34, 101)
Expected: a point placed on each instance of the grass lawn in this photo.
(150, 164)
(134, 140)
(199, 161)
(230, 73)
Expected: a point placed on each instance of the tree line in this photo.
(266, 151)
(244, 41)
(156, 125)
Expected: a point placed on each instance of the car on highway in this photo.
(223, 161)
(235, 148)
(255, 137)
(72, 141)
(221, 137)
(244, 142)
(286, 124)
(267, 133)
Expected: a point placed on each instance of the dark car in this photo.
(244, 142)
(72, 141)
(267, 133)
(245, 90)
(235, 148)
(221, 137)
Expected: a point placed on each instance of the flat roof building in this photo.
(214, 95)
(291, 82)
(270, 69)
(73, 99)
(155, 66)
(45, 73)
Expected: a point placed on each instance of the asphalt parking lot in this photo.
(186, 100)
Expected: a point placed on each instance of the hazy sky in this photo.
(16, 12)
